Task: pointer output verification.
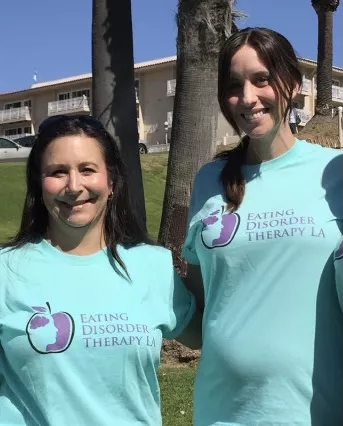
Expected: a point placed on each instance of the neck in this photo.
(78, 241)
(270, 146)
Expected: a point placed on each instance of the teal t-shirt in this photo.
(80, 344)
(273, 328)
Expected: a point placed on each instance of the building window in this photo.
(18, 104)
(80, 93)
(18, 131)
(13, 105)
(74, 94)
(336, 83)
(12, 132)
(63, 96)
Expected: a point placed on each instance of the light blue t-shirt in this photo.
(80, 344)
(272, 329)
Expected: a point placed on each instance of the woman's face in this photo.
(252, 101)
(75, 184)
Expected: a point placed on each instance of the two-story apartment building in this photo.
(22, 111)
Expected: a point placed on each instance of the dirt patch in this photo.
(321, 130)
(175, 354)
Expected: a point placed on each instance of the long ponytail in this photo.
(231, 176)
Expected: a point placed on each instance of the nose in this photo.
(74, 182)
(249, 94)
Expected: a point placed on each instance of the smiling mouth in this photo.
(77, 203)
(255, 115)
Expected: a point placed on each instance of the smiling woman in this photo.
(264, 220)
(75, 184)
(82, 317)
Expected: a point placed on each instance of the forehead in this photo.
(73, 149)
(246, 62)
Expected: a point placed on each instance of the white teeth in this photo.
(252, 116)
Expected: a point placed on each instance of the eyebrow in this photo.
(61, 165)
(234, 75)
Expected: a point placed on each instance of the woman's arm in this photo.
(192, 335)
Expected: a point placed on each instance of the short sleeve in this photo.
(181, 308)
(339, 272)
(206, 185)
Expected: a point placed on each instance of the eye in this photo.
(87, 171)
(58, 172)
(262, 81)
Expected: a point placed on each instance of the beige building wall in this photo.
(155, 104)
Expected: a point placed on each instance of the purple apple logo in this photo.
(50, 333)
(339, 251)
(219, 228)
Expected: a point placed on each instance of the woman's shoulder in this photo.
(323, 153)
(7, 253)
(146, 253)
(14, 259)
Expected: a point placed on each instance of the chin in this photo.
(260, 132)
(76, 222)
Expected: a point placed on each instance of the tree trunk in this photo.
(113, 92)
(324, 63)
(202, 25)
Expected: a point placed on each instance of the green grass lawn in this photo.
(176, 395)
(176, 383)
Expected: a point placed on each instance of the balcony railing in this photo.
(337, 93)
(306, 86)
(13, 137)
(68, 106)
(15, 114)
(171, 84)
(304, 115)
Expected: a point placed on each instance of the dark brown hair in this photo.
(120, 224)
(278, 56)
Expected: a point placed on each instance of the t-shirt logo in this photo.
(50, 333)
(339, 251)
(219, 228)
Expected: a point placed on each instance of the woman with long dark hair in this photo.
(85, 298)
(264, 221)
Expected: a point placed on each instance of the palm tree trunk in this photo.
(324, 63)
(113, 92)
(202, 25)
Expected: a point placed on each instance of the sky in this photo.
(53, 38)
